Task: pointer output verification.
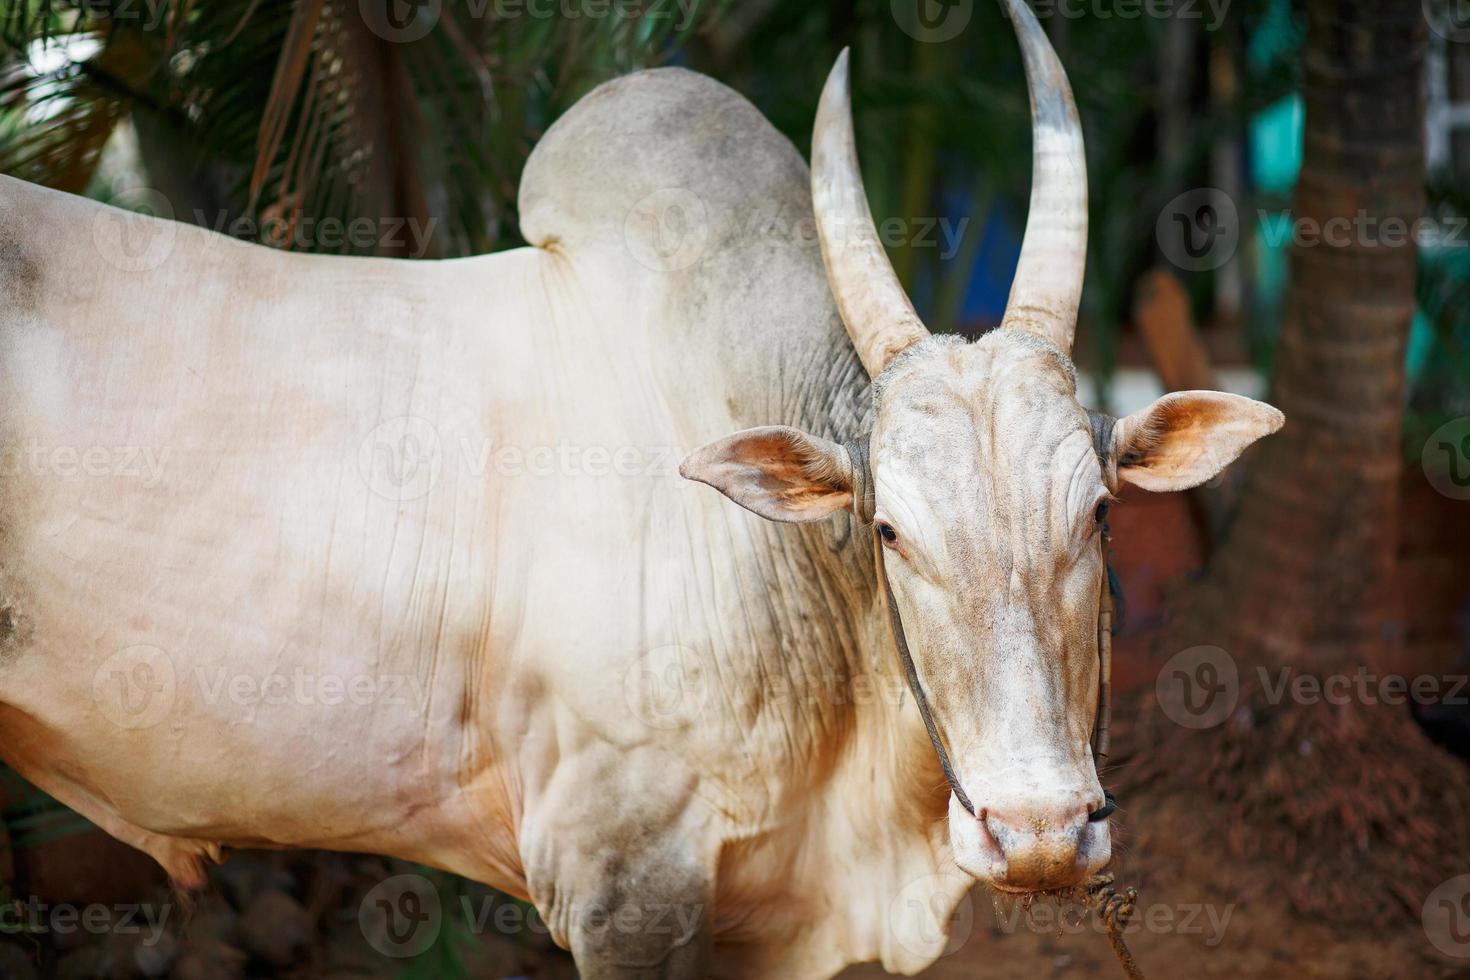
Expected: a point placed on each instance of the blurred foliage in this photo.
(263, 118)
(319, 108)
(944, 127)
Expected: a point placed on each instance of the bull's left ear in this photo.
(780, 473)
(1187, 438)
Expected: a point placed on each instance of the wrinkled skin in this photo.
(602, 689)
(1011, 654)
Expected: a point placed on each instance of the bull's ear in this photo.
(782, 474)
(1187, 438)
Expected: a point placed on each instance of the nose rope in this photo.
(1102, 726)
(864, 509)
(895, 625)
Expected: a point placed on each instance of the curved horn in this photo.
(1048, 285)
(880, 319)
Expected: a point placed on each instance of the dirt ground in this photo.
(1199, 914)
(1211, 917)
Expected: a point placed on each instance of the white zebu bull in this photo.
(280, 567)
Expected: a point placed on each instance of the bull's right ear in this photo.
(780, 473)
(1186, 438)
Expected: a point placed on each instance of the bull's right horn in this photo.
(880, 319)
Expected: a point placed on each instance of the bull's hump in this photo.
(665, 144)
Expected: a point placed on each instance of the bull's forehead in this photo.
(984, 439)
(958, 408)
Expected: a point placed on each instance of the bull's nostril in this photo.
(1110, 804)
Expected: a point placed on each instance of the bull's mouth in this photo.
(1009, 892)
(1085, 892)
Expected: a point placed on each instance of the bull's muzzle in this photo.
(1031, 843)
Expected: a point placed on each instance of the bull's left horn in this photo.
(1048, 286)
(880, 319)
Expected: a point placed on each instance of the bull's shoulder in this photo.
(651, 135)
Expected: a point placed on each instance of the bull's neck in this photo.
(883, 720)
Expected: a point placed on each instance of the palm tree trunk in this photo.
(1308, 568)
(1369, 816)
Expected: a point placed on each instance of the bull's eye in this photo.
(887, 533)
(1101, 514)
